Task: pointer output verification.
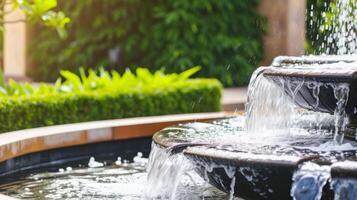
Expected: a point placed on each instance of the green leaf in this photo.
(72, 80)
(188, 73)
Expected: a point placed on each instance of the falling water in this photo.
(337, 28)
(341, 92)
(267, 107)
(270, 104)
(165, 172)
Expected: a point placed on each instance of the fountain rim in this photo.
(278, 67)
(312, 75)
(23, 142)
(196, 154)
(230, 157)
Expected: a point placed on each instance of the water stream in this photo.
(166, 170)
(266, 100)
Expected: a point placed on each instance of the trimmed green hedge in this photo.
(192, 95)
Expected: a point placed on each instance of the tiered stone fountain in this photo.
(290, 142)
(297, 138)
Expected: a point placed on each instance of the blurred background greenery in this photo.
(223, 37)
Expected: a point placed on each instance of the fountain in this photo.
(281, 151)
(297, 139)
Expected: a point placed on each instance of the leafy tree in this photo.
(35, 10)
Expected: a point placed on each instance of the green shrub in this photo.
(23, 106)
(224, 37)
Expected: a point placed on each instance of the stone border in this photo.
(19, 143)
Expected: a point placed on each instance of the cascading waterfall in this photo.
(266, 101)
(269, 107)
(165, 172)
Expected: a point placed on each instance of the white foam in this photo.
(350, 165)
(94, 164)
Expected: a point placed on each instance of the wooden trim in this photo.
(18, 143)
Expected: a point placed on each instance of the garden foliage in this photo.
(224, 37)
(35, 11)
(103, 95)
